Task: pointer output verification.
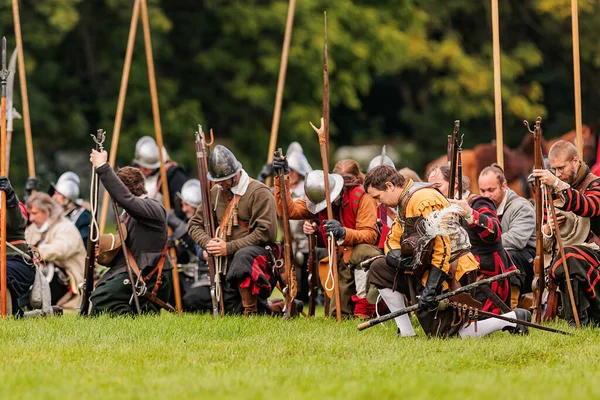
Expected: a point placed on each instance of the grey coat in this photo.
(517, 222)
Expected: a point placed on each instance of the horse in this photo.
(518, 162)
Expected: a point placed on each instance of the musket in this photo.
(208, 220)
(469, 310)
(3, 76)
(313, 276)
(459, 175)
(323, 133)
(288, 262)
(438, 299)
(11, 113)
(453, 160)
(94, 234)
(539, 281)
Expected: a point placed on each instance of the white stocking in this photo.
(395, 301)
(487, 326)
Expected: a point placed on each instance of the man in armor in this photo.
(353, 228)
(247, 222)
(66, 193)
(147, 160)
(427, 252)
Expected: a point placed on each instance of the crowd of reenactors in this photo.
(397, 240)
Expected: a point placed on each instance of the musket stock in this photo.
(453, 159)
(208, 220)
(313, 275)
(288, 262)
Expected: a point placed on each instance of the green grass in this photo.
(196, 356)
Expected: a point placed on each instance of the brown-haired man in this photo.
(146, 223)
(448, 259)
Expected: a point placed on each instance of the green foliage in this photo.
(400, 73)
(192, 356)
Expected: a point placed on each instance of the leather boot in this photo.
(515, 293)
(249, 301)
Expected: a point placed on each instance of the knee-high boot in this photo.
(249, 301)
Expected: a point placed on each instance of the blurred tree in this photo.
(400, 73)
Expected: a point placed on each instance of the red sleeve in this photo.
(585, 204)
(485, 220)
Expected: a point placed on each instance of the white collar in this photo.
(242, 186)
(500, 209)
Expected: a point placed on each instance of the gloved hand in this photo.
(394, 258)
(333, 226)
(265, 172)
(433, 288)
(280, 164)
(11, 197)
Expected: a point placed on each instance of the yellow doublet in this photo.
(421, 204)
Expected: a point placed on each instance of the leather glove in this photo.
(265, 172)
(433, 288)
(333, 226)
(395, 259)
(11, 197)
(280, 164)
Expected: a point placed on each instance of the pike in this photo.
(11, 112)
(323, 133)
(288, 262)
(438, 299)
(94, 234)
(3, 76)
(208, 220)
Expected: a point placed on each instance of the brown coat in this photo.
(256, 213)
(366, 220)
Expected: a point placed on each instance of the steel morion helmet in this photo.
(68, 185)
(222, 164)
(314, 186)
(146, 153)
(298, 162)
(190, 193)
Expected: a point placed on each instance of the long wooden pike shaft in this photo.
(24, 97)
(325, 81)
(287, 39)
(497, 84)
(3, 76)
(120, 106)
(577, 76)
(159, 141)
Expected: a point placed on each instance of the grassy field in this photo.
(193, 356)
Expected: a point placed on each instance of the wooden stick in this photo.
(287, 39)
(497, 84)
(577, 76)
(24, 97)
(3, 76)
(325, 81)
(159, 142)
(561, 249)
(120, 106)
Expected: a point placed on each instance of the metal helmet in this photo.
(68, 185)
(298, 162)
(380, 160)
(222, 164)
(314, 186)
(190, 193)
(294, 147)
(146, 153)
